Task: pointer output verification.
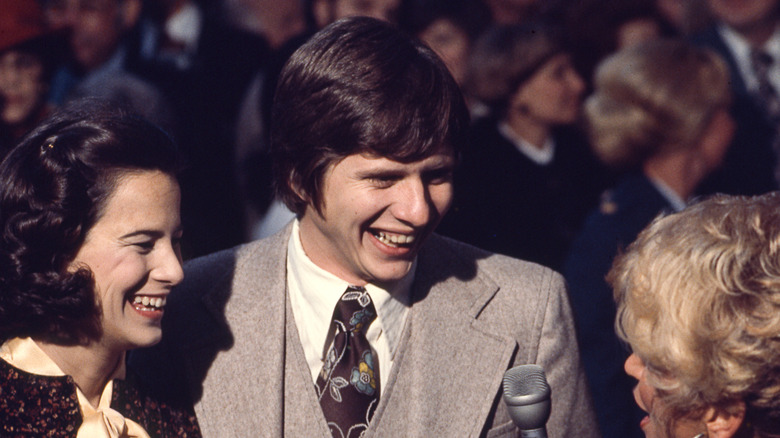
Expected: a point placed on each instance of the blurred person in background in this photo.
(449, 27)
(328, 11)
(202, 55)
(513, 11)
(29, 53)
(528, 178)
(747, 35)
(97, 34)
(687, 16)
(596, 29)
(659, 111)
(698, 299)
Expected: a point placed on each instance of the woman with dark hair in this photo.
(528, 178)
(89, 250)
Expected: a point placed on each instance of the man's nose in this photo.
(413, 203)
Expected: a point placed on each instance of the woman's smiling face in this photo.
(133, 253)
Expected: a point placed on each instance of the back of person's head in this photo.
(505, 57)
(54, 186)
(654, 98)
(360, 86)
(698, 298)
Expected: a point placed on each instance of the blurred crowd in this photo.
(590, 117)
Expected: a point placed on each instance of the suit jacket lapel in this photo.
(254, 317)
(436, 386)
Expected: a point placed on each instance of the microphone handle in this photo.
(534, 433)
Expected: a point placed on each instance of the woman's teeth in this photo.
(394, 240)
(158, 303)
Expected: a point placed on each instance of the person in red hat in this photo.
(28, 55)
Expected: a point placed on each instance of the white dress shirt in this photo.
(314, 293)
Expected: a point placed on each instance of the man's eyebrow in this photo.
(369, 173)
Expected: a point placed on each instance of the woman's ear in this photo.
(723, 423)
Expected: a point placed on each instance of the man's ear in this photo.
(294, 182)
(723, 423)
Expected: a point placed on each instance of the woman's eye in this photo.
(145, 246)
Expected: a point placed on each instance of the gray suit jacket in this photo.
(231, 346)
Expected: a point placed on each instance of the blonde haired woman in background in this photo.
(660, 112)
(698, 298)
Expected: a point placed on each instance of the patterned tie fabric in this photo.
(348, 385)
(767, 97)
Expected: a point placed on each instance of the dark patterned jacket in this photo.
(47, 406)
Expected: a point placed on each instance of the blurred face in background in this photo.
(553, 95)
(22, 86)
(511, 11)
(744, 15)
(277, 21)
(635, 32)
(96, 26)
(328, 11)
(451, 43)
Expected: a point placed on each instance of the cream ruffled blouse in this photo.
(100, 422)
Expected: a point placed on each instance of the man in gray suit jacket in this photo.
(368, 125)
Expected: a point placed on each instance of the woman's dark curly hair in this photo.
(54, 186)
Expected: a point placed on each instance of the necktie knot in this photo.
(355, 310)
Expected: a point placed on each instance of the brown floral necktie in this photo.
(348, 385)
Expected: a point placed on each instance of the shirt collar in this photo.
(25, 354)
(321, 291)
(539, 156)
(677, 203)
(740, 49)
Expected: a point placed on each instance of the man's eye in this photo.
(383, 180)
(440, 176)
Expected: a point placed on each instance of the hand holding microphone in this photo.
(527, 397)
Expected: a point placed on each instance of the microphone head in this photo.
(527, 396)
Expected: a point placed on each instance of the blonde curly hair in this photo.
(654, 98)
(698, 296)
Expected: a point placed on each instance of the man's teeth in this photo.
(394, 240)
(150, 301)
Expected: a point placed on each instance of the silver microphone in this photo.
(527, 397)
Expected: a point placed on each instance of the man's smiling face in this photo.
(375, 215)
